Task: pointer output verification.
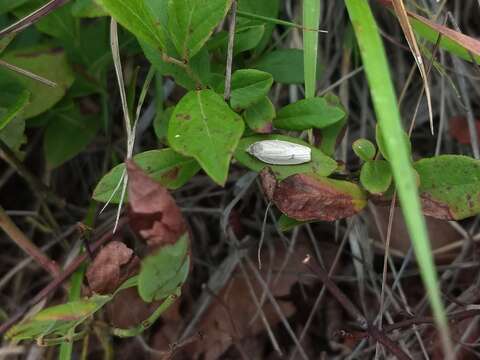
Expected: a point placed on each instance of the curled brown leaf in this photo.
(112, 266)
(153, 213)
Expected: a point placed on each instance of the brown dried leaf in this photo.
(307, 197)
(153, 212)
(233, 316)
(112, 266)
(459, 130)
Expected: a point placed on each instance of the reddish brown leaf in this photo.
(307, 197)
(153, 212)
(459, 129)
(112, 266)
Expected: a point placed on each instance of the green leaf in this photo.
(249, 86)
(286, 223)
(12, 134)
(364, 149)
(160, 123)
(309, 113)
(246, 38)
(198, 73)
(169, 168)
(57, 320)
(87, 9)
(6, 6)
(5, 41)
(137, 17)
(163, 272)
(68, 133)
(11, 110)
(266, 8)
(332, 135)
(449, 186)
(260, 115)
(191, 23)
(285, 65)
(203, 126)
(321, 164)
(376, 176)
(47, 61)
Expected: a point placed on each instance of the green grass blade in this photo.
(311, 20)
(385, 104)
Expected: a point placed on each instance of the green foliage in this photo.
(249, 86)
(11, 104)
(285, 65)
(204, 127)
(451, 185)
(165, 166)
(376, 176)
(260, 115)
(305, 114)
(364, 149)
(191, 23)
(57, 321)
(164, 271)
(68, 133)
(46, 61)
(138, 18)
(321, 164)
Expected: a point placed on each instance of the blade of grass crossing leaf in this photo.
(311, 20)
(384, 100)
(402, 16)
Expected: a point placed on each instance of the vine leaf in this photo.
(203, 126)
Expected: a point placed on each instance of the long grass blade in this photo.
(386, 108)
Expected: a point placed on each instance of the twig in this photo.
(27, 245)
(231, 38)
(67, 272)
(33, 17)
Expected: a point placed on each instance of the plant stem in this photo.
(26, 244)
(231, 38)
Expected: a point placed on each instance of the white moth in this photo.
(279, 152)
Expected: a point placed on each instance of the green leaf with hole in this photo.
(321, 164)
(163, 272)
(449, 186)
(191, 23)
(310, 113)
(169, 168)
(249, 86)
(57, 321)
(204, 127)
(364, 149)
(376, 176)
(138, 18)
(285, 65)
(47, 61)
(67, 134)
(259, 116)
